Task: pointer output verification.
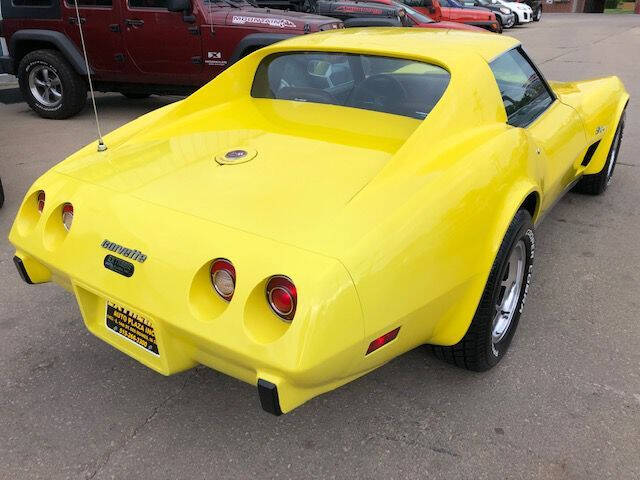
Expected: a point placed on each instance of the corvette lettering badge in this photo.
(125, 252)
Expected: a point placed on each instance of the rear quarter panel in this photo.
(441, 211)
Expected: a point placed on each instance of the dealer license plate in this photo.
(132, 326)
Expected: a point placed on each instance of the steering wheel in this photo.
(378, 92)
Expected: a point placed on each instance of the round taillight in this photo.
(223, 278)
(40, 199)
(67, 215)
(282, 297)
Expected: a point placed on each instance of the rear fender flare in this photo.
(453, 332)
(58, 40)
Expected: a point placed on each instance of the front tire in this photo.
(50, 85)
(537, 15)
(597, 183)
(496, 319)
(511, 23)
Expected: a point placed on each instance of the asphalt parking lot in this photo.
(564, 403)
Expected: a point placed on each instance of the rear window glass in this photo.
(148, 3)
(383, 84)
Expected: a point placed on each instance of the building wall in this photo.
(563, 6)
(559, 6)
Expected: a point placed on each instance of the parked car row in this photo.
(508, 14)
(41, 42)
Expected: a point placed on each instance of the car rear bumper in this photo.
(183, 343)
(321, 349)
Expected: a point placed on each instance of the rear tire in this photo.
(597, 183)
(1, 194)
(496, 319)
(50, 85)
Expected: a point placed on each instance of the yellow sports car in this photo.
(324, 205)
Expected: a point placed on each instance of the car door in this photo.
(102, 34)
(162, 46)
(555, 129)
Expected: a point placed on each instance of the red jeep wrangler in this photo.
(136, 47)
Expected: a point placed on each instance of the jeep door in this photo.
(163, 47)
(102, 34)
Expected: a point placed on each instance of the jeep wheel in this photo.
(537, 15)
(498, 313)
(50, 85)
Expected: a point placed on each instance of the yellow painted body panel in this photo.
(381, 221)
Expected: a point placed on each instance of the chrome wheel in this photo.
(45, 86)
(509, 294)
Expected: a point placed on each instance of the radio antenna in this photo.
(101, 146)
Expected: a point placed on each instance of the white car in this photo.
(523, 12)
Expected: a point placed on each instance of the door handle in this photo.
(74, 20)
(133, 22)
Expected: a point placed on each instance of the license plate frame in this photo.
(131, 326)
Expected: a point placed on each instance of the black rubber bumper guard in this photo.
(269, 400)
(22, 271)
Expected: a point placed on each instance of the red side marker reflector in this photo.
(383, 340)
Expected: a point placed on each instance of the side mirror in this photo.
(179, 5)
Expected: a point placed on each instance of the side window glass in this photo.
(524, 93)
(91, 3)
(32, 3)
(157, 4)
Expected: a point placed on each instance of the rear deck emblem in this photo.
(125, 252)
(235, 154)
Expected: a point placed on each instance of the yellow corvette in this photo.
(324, 205)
